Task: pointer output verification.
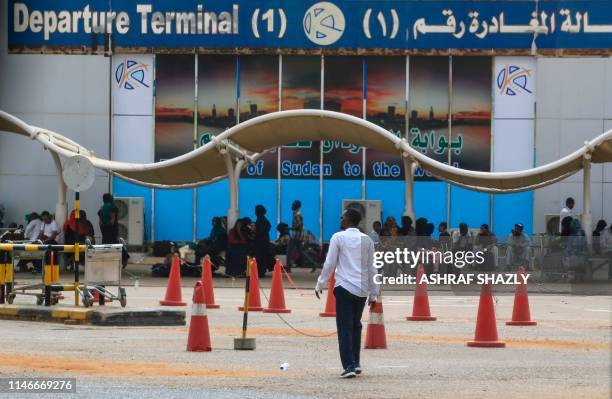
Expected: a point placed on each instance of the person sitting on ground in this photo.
(518, 248)
(284, 237)
(236, 253)
(485, 241)
(33, 228)
(79, 231)
(214, 244)
(406, 229)
(389, 225)
(375, 233)
(49, 230)
(444, 237)
(462, 239)
(601, 227)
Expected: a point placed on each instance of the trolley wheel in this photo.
(87, 302)
(10, 298)
(122, 297)
(39, 300)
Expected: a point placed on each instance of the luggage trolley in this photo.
(102, 268)
(29, 289)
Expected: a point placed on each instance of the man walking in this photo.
(351, 253)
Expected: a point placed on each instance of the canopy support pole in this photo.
(233, 213)
(61, 209)
(409, 167)
(587, 220)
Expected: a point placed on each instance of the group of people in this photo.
(248, 238)
(43, 228)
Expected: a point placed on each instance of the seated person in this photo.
(518, 248)
(284, 237)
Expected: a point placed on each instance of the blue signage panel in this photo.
(299, 24)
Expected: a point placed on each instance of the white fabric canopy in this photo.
(249, 140)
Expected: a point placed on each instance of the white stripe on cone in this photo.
(198, 309)
(376, 318)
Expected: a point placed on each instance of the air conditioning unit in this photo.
(370, 210)
(131, 220)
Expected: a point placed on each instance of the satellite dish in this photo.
(79, 173)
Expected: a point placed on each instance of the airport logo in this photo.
(324, 23)
(513, 80)
(131, 74)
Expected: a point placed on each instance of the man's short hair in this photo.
(45, 213)
(353, 216)
(569, 200)
(107, 198)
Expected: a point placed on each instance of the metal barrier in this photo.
(50, 288)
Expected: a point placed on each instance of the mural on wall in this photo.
(343, 92)
(174, 105)
(386, 107)
(301, 89)
(233, 89)
(428, 102)
(258, 92)
(470, 143)
(217, 102)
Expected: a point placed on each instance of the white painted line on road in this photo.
(599, 310)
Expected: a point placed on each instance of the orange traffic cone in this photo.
(173, 291)
(486, 328)
(420, 307)
(375, 334)
(277, 294)
(330, 303)
(520, 312)
(209, 290)
(254, 298)
(199, 335)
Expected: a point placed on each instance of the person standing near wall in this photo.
(294, 249)
(351, 254)
(566, 210)
(108, 215)
(263, 253)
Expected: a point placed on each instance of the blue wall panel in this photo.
(509, 209)
(122, 188)
(334, 191)
(390, 193)
(469, 207)
(258, 192)
(307, 191)
(213, 200)
(430, 199)
(174, 215)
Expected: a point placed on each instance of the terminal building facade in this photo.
(487, 86)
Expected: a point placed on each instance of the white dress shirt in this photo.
(48, 229)
(351, 253)
(33, 229)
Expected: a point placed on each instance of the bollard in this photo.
(244, 343)
(2, 277)
(47, 275)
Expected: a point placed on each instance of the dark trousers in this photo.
(349, 309)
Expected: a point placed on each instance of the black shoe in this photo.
(357, 370)
(348, 374)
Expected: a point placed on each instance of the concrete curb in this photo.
(94, 316)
